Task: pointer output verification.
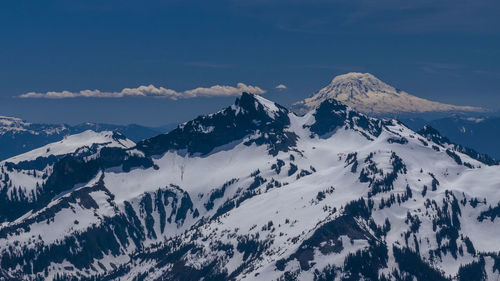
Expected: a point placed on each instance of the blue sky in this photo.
(442, 50)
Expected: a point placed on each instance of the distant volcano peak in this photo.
(368, 94)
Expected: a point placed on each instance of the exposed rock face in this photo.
(255, 192)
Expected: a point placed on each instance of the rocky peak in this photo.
(249, 115)
(332, 114)
(257, 105)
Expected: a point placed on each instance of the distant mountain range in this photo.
(361, 91)
(18, 136)
(482, 134)
(253, 192)
(368, 94)
(472, 127)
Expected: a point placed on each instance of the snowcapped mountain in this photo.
(12, 124)
(18, 136)
(478, 133)
(72, 143)
(255, 192)
(366, 93)
(25, 176)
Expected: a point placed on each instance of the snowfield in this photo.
(366, 93)
(71, 143)
(331, 195)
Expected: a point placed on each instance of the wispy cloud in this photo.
(451, 69)
(281, 87)
(344, 68)
(209, 64)
(487, 73)
(152, 91)
(454, 69)
(392, 16)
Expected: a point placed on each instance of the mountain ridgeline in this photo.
(465, 125)
(18, 136)
(253, 192)
(479, 133)
(248, 115)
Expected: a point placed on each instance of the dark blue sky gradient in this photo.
(445, 50)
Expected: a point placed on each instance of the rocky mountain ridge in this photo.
(255, 192)
(18, 136)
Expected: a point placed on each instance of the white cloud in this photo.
(281, 87)
(223, 91)
(152, 91)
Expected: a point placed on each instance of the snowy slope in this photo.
(255, 192)
(18, 136)
(477, 133)
(71, 143)
(25, 178)
(12, 124)
(366, 93)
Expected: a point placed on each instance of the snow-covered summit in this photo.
(12, 124)
(6, 120)
(31, 179)
(249, 115)
(249, 103)
(18, 136)
(368, 94)
(71, 143)
(361, 80)
(254, 192)
(15, 126)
